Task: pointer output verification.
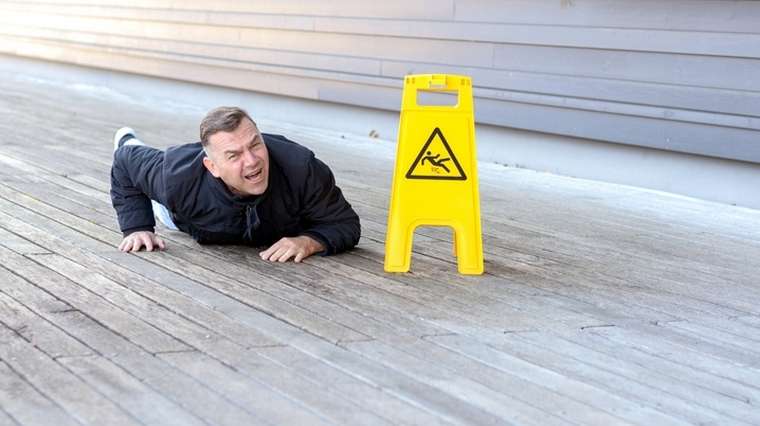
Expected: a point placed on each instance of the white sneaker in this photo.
(125, 136)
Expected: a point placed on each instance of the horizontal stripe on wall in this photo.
(680, 75)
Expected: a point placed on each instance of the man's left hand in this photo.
(298, 248)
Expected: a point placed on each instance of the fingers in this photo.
(279, 252)
(268, 252)
(283, 250)
(136, 241)
(147, 241)
(283, 255)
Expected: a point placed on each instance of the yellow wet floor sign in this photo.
(435, 181)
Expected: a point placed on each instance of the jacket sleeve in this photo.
(136, 178)
(329, 217)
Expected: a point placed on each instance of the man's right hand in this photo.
(137, 240)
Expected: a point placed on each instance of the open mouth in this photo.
(254, 176)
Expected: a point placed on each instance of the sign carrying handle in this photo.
(438, 83)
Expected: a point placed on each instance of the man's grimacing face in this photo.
(240, 159)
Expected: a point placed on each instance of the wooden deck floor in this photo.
(601, 304)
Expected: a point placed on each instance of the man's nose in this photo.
(250, 158)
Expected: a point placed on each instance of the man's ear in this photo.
(210, 166)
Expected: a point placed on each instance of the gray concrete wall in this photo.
(679, 75)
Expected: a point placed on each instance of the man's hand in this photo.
(300, 247)
(136, 240)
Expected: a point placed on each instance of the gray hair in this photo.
(221, 119)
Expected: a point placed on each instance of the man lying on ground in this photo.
(235, 186)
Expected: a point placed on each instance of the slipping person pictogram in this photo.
(433, 159)
(435, 162)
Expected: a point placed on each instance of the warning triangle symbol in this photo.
(436, 161)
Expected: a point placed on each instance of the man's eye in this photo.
(231, 157)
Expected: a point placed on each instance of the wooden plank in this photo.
(300, 338)
(719, 405)
(181, 328)
(367, 305)
(68, 182)
(318, 348)
(428, 397)
(27, 405)
(512, 309)
(154, 290)
(543, 281)
(324, 405)
(719, 336)
(558, 382)
(71, 269)
(112, 382)
(486, 389)
(30, 326)
(6, 419)
(249, 260)
(677, 351)
(750, 320)
(487, 292)
(262, 399)
(595, 338)
(309, 343)
(269, 298)
(102, 376)
(302, 387)
(315, 322)
(631, 216)
(150, 370)
(708, 308)
(79, 400)
(132, 327)
(230, 305)
(315, 291)
(195, 398)
(610, 378)
(218, 347)
(149, 407)
(18, 244)
(394, 409)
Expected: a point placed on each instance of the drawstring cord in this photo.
(252, 221)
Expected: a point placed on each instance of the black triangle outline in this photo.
(462, 174)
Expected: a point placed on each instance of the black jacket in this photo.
(301, 198)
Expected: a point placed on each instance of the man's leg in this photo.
(126, 136)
